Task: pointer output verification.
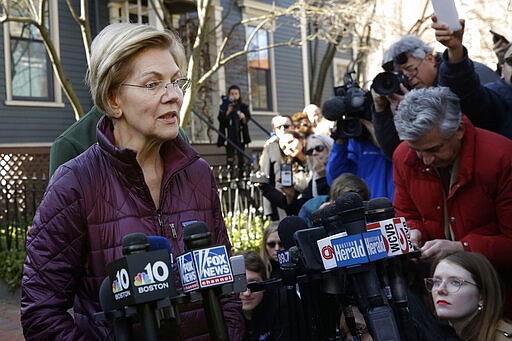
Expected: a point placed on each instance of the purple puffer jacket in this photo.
(93, 201)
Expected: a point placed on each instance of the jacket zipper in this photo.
(160, 222)
(161, 225)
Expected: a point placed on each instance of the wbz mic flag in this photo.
(396, 235)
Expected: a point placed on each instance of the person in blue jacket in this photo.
(363, 157)
(488, 106)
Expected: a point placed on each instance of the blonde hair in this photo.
(114, 48)
(271, 228)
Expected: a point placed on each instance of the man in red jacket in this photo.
(453, 181)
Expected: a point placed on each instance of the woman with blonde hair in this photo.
(270, 246)
(140, 177)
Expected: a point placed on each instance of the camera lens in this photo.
(351, 127)
(386, 83)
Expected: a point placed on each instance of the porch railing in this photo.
(21, 193)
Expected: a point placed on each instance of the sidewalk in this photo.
(10, 327)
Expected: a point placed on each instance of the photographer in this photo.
(233, 117)
(489, 106)
(418, 62)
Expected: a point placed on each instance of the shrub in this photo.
(245, 234)
(11, 267)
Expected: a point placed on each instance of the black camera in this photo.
(349, 104)
(225, 102)
(388, 82)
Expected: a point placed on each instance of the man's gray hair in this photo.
(425, 109)
(410, 45)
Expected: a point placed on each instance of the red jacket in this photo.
(90, 203)
(479, 204)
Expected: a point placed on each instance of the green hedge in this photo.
(11, 267)
(242, 236)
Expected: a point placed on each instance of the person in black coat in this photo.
(233, 117)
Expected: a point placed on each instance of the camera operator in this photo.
(418, 62)
(362, 156)
(489, 106)
(356, 149)
(233, 117)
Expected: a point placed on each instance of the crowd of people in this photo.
(432, 148)
(439, 149)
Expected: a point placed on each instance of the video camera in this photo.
(349, 104)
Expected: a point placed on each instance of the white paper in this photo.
(446, 13)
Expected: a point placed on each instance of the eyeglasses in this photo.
(508, 60)
(452, 285)
(411, 72)
(318, 149)
(273, 244)
(303, 124)
(160, 87)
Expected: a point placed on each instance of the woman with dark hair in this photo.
(263, 307)
(233, 117)
(466, 292)
(293, 155)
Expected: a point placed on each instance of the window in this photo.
(259, 71)
(133, 11)
(29, 74)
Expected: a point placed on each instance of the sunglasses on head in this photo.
(318, 148)
(273, 244)
(400, 59)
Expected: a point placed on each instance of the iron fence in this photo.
(20, 196)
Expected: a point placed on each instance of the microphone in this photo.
(286, 230)
(118, 317)
(287, 227)
(380, 216)
(356, 253)
(160, 243)
(334, 107)
(288, 260)
(142, 278)
(205, 267)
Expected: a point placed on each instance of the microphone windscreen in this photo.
(287, 227)
(135, 242)
(107, 301)
(197, 227)
(196, 235)
(350, 206)
(160, 243)
(379, 209)
(333, 108)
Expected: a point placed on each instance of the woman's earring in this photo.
(480, 306)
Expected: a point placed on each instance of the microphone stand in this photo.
(289, 278)
(212, 308)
